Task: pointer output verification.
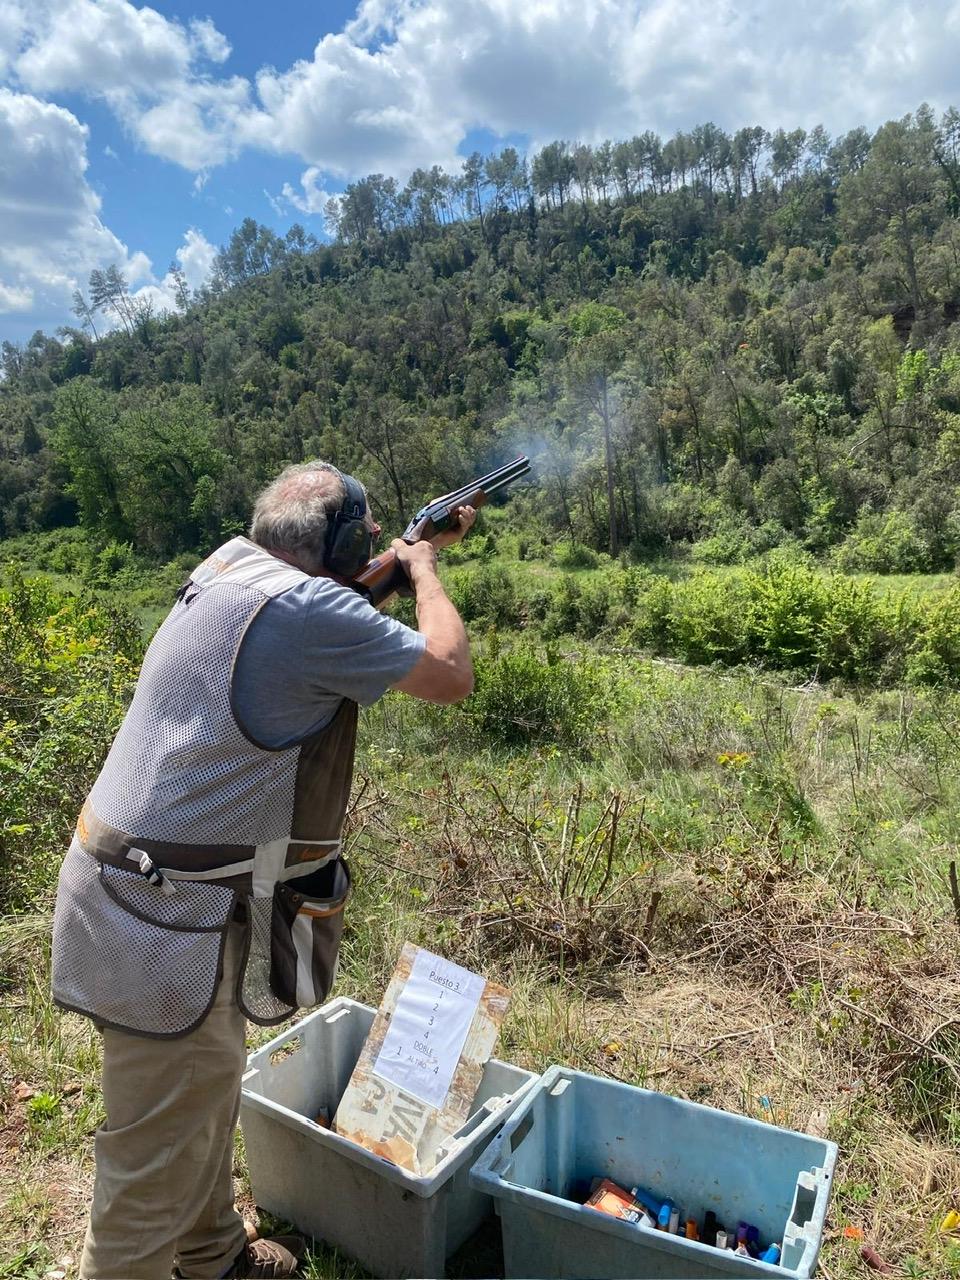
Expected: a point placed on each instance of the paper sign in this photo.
(429, 1027)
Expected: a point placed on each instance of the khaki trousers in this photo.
(164, 1181)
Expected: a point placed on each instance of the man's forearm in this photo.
(439, 622)
(444, 672)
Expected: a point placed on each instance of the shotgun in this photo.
(383, 576)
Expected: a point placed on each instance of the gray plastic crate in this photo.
(393, 1223)
(571, 1127)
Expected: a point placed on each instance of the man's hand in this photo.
(466, 518)
(418, 559)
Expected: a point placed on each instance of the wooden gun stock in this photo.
(383, 577)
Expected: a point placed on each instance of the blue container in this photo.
(394, 1223)
(572, 1127)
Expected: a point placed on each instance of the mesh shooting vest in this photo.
(192, 824)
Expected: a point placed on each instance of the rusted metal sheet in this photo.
(391, 1122)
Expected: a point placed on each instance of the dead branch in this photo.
(922, 1045)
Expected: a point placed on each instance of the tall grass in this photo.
(720, 883)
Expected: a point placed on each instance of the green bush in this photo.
(574, 555)
(730, 544)
(536, 604)
(708, 620)
(67, 667)
(525, 697)
(113, 566)
(481, 546)
(737, 541)
(860, 636)
(486, 594)
(63, 551)
(935, 654)
(884, 542)
(786, 605)
(598, 602)
(563, 612)
(651, 611)
(68, 551)
(783, 614)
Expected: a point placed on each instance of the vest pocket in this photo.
(194, 906)
(132, 957)
(305, 937)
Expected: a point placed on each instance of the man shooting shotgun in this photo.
(204, 884)
(385, 576)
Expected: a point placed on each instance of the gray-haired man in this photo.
(204, 884)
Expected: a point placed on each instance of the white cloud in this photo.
(13, 24)
(104, 47)
(406, 80)
(313, 198)
(373, 18)
(138, 267)
(352, 110)
(15, 299)
(196, 125)
(610, 68)
(51, 235)
(147, 69)
(556, 65)
(208, 41)
(195, 259)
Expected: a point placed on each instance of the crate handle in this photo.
(521, 1131)
(479, 1117)
(495, 1163)
(280, 1050)
(804, 1199)
(811, 1189)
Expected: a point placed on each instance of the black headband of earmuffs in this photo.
(348, 541)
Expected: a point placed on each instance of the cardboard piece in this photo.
(391, 1120)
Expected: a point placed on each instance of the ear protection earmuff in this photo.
(348, 541)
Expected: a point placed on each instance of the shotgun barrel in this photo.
(441, 511)
(384, 577)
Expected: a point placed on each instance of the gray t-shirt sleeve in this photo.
(310, 648)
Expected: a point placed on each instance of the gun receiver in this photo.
(383, 576)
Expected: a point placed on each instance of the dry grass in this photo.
(726, 932)
(739, 974)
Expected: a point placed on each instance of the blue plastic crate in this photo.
(571, 1127)
(392, 1222)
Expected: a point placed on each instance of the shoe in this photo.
(276, 1257)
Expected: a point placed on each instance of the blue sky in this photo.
(142, 134)
(237, 189)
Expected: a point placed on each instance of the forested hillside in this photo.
(735, 362)
(724, 342)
